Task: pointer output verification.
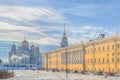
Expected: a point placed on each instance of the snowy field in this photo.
(44, 75)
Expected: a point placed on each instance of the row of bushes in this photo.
(6, 74)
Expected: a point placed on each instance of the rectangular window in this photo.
(88, 60)
(91, 60)
(103, 48)
(99, 60)
(108, 60)
(95, 60)
(99, 49)
(112, 46)
(103, 60)
(95, 49)
(108, 47)
(118, 46)
(118, 59)
(112, 54)
(108, 54)
(112, 59)
(91, 50)
(118, 53)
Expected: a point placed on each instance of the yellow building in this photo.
(57, 59)
(101, 54)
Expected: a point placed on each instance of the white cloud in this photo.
(38, 34)
(86, 33)
(12, 31)
(50, 41)
(30, 13)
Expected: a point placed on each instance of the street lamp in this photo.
(38, 62)
(66, 63)
(47, 62)
(25, 63)
(83, 55)
(12, 65)
(94, 49)
(19, 62)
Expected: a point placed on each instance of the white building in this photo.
(25, 56)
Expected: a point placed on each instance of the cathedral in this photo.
(25, 56)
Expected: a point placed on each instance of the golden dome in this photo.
(25, 42)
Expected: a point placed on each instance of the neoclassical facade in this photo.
(101, 54)
(25, 55)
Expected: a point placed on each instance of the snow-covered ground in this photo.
(43, 75)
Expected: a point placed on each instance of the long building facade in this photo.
(101, 54)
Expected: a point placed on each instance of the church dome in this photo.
(37, 49)
(25, 42)
(13, 45)
(25, 45)
(13, 48)
(32, 47)
(19, 47)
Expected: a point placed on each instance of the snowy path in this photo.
(43, 75)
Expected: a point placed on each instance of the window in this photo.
(118, 46)
(112, 70)
(95, 60)
(112, 46)
(108, 47)
(88, 60)
(99, 49)
(85, 60)
(99, 60)
(118, 60)
(108, 60)
(91, 50)
(112, 59)
(118, 70)
(118, 53)
(91, 60)
(103, 60)
(95, 49)
(112, 54)
(103, 48)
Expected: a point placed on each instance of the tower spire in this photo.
(24, 38)
(64, 41)
(64, 30)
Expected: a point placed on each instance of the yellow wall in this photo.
(100, 55)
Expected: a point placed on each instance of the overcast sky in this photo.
(42, 21)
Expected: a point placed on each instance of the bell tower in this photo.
(64, 40)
